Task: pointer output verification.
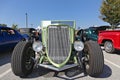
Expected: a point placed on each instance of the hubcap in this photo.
(108, 46)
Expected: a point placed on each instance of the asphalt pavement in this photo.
(111, 70)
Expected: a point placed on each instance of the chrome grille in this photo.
(58, 43)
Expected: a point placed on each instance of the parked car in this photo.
(9, 38)
(91, 33)
(110, 39)
(59, 50)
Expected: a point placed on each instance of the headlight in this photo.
(37, 46)
(78, 45)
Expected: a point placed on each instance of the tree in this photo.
(3, 25)
(15, 26)
(110, 12)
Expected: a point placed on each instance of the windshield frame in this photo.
(69, 23)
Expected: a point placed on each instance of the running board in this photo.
(58, 69)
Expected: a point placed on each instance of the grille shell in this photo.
(58, 43)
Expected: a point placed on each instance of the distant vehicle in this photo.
(91, 33)
(30, 33)
(110, 39)
(9, 38)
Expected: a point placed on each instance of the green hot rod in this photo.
(59, 50)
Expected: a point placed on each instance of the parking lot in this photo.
(111, 70)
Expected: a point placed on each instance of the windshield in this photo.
(94, 31)
(69, 23)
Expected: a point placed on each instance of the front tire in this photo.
(21, 60)
(94, 59)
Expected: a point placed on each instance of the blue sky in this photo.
(84, 12)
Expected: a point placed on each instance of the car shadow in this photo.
(5, 57)
(117, 52)
(107, 72)
(67, 74)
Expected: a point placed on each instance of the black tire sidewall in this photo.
(24, 56)
(96, 58)
(19, 57)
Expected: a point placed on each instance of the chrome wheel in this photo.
(109, 47)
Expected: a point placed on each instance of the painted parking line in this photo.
(112, 63)
(6, 72)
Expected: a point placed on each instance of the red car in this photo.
(110, 39)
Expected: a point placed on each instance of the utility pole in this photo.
(26, 20)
